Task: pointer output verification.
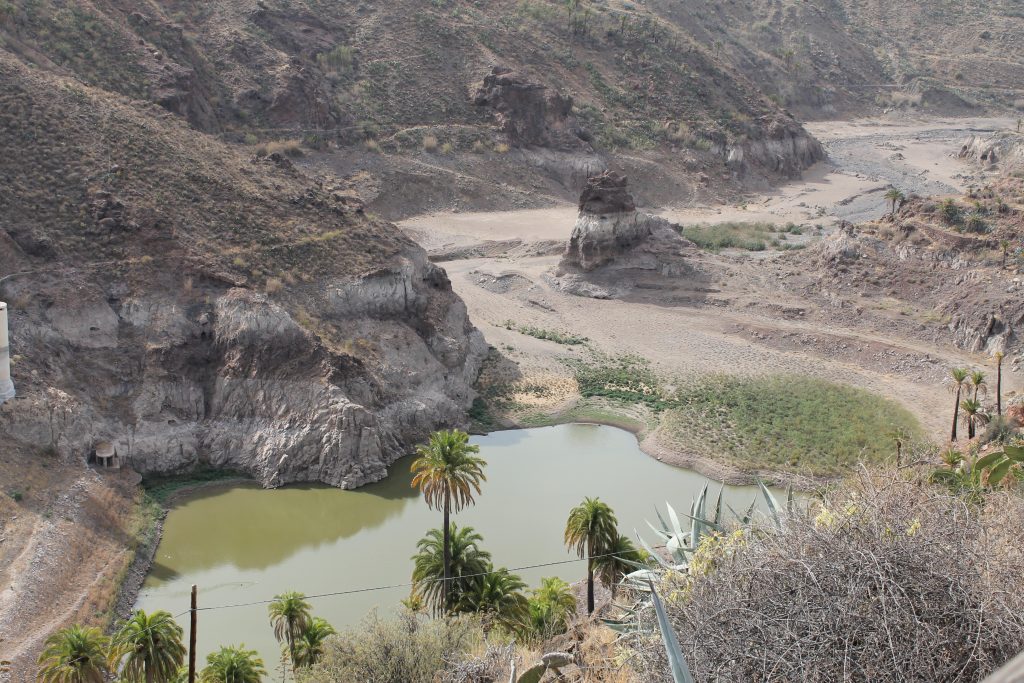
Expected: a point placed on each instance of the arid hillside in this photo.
(197, 306)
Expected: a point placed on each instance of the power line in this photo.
(410, 584)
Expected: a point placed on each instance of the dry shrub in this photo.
(429, 143)
(501, 148)
(888, 579)
(407, 649)
(274, 285)
(291, 148)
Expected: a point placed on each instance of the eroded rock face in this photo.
(786, 149)
(609, 226)
(237, 382)
(1003, 150)
(528, 113)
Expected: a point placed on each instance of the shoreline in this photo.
(646, 435)
(647, 441)
(137, 571)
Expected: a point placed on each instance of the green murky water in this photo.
(245, 544)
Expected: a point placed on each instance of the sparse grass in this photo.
(565, 338)
(627, 379)
(290, 148)
(750, 236)
(787, 422)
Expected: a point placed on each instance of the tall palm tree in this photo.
(894, 196)
(499, 594)
(958, 377)
(290, 616)
(310, 646)
(999, 382)
(973, 416)
(977, 380)
(76, 654)
(447, 471)
(550, 606)
(150, 647)
(616, 561)
(233, 665)
(466, 562)
(591, 530)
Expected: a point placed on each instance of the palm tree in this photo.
(973, 416)
(447, 472)
(952, 458)
(591, 530)
(895, 196)
(999, 382)
(977, 380)
(233, 665)
(466, 562)
(550, 606)
(76, 654)
(616, 562)
(958, 377)
(499, 594)
(310, 646)
(289, 615)
(150, 647)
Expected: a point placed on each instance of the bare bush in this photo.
(407, 649)
(887, 579)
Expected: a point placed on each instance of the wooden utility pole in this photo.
(192, 640)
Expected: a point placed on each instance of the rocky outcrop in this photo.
(786, 149)
(240, 384)
(609, 227)
(528, 113)
(1003, 151)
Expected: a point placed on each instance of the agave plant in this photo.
(681, 545)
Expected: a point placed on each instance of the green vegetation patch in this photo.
(789, 422)
(564, 338)
(621, 378)
(751, 236)
(162, 489)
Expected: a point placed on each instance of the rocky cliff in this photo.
(199, 308)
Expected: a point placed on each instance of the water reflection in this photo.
(246, 544)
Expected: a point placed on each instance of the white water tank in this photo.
(6, 385)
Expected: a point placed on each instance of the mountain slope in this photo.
(195, 306)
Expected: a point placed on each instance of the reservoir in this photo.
(244, 544)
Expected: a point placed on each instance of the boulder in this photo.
(528, 113)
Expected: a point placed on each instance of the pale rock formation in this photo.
(238, 383)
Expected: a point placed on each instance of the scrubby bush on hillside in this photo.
(408, 649)
(889, 579)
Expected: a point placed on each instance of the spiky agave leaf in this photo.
(999, 471)
(773, 505)
(697, 514)
(718, 506)
(533, 674)
(680, 669)
(651, 552)
(676, 527)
